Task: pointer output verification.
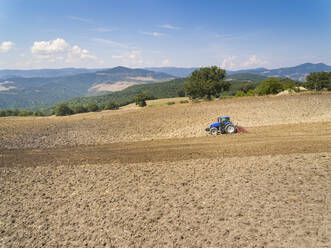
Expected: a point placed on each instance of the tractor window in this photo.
(224, 119)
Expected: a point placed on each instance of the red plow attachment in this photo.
(241, 129)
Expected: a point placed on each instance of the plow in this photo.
(224, 126)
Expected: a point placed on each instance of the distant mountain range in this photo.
(19, 92)
(299, 72)
(28, 88)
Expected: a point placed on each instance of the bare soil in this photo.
(269, 187)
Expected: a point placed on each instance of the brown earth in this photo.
(269, 187)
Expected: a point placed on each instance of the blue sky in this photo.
(100, 34)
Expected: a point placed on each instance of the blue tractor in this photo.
(223, 125)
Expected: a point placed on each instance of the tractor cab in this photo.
(224, 120)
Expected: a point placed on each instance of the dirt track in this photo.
(267, 188)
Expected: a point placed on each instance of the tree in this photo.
(92, 107)
(79, 109)
(247, 86)
(206, 82)
(63, 109)
(318, 80)
(180, 92)
(111, 105)
(140, 99)
(270, 86)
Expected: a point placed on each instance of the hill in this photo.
(21, 92)
(296, 72)
(4, 74)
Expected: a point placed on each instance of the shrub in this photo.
(270, 86)
(38, 113)
(318, 80)
(240, 93)
(2, 113)
(63, 109)
(79, 109)
(111, 105)
(180, 92)
(170, 103)
(140, 100)
(92, 107)
(184, 101)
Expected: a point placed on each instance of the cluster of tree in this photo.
(206, 82)
(63, 108)
(17, 112)
(267, 87)
(318, 81)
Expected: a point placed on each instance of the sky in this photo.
(152, 33)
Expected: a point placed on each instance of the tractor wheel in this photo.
(230, 129)
(213, 131)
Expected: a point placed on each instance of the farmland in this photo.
(152, 177)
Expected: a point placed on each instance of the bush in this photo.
(240, 93)
(38, 113)
(140, 100)
(170, 103)
(111, 105)
(318, 80)
(63, 109)
(184, 101)
(180, 92)
(79, 109)
(92, 107)
(2, 113)
(270, 86)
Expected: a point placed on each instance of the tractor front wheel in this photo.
(213, 131)
(230, 129)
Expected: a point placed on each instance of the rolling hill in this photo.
(21, 92)
(297, 72)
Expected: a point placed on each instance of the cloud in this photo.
(6, 46)
(111, 42)
(47, 48)
(253, 61)
(165, 62)
(228, 63)
(130, 58)
(155, 34)
(80, 19)
(59, 49)
(78, 54)
(168, 26)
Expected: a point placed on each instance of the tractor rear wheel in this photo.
(230, 129)
(213, 131)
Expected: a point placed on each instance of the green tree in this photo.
(63, 109)
(206, 82)
(79, 109)
(140, 99)
(180, 92)
(318, 80)
(111, 105)
(247, 86)
(92, 107)
(270, 86)
(2, 113)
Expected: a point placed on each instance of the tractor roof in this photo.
(224, 116)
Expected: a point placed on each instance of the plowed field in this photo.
(104, 180)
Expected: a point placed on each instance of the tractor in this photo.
(224, 126)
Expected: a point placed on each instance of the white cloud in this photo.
(59, 50)
(130, 58)
(48, 48)
(6, 46)
(168, 26)
(228, 63)
(253, 61)
(165, 62)
(78, 54)
(110, 42)
(155, 34)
